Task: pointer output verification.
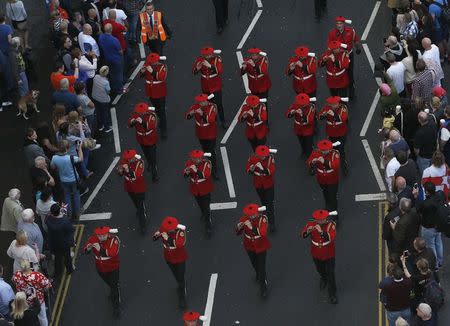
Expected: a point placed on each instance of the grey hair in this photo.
(27, 215)
(405, 204)
(64, 84)
(39, 159)
(394, 135)
(14, 194)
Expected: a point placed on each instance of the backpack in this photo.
(444, 19)
(443, 220)
(434, 295)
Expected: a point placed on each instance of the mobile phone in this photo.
(406, 253)
(416, 186)
(395, 219)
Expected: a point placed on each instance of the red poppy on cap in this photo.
(325, 145)
(141, 107)
(201, 98)
(320, 214)
(128, 154)
(439, 91)
(301, 51)
(333, 100)
(262, 150)
(191, 316)
(153, 58)
(196, 153)
(251, 209)
(102, 230)
(206, 50)
(340, 19)
(252, 100)
(170, 223)
(254, 50)
(333, 45)
(302, 99)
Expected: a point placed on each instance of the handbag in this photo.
(79, 182)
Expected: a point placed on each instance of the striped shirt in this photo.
(422, 85)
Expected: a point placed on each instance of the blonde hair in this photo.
(73, 117)
(401, 322)
(104, 71)
(21, 238)
(19, 305)
(25, 265)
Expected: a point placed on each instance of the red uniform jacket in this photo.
(258, 75)
(255, 239)
(348, 36)
(264, 171)
(200, 182)
(337, 123)
(146, 133)
(256, 119)
(107, 258)
(205, 124)
(155, 82)
(337, 75)
(304, 78)
(211, 78)
(304, 119)
(174, 247)
(327, 172)
(322, 244)
(134, 180)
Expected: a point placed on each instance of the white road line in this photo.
(221, 206)
(249, 29)
(116, 99)
(95, 217)
(136, 70)
(369, 56)
(100, 183)
(240, 59)
(115, 127)
(369, 116)
(210, 300)
(373, 164)
(141, 50)
(371, 20)
(371, 197)
(226, 166)
(259, 3)
(232, 125)
(379, 81)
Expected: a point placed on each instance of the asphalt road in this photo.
(148, 287)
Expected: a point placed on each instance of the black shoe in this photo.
(117, 313)
(182, 298)
(208, 233)
(312, 170)
(323, 284)
(272, 228)
(155, 178)
(219, 30)
(264, 290)
(332, 299)
(345, 168)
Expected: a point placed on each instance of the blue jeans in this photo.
(132, 26)
(393, 315)
(103, 114)
(116, 75)
(23, 86)
(422, 163)
(72, 198)
(434, 242)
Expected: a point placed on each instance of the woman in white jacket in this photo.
(86, 65)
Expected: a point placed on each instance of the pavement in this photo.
(220, 279)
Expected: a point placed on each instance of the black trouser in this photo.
(306, 142)
(341, 147)
(139, 202)
(204, 202)
(60, 255)
(319, 7)
(178, 272)
(341, 92)
(259, 264)
(330, 196)
(89, 84)
(150, 155)
(217, 100)
(255, 142)
(221, 8)
(112, 279)
(156, 46)
(160, 109)
(267, 196)
(209, 146)
(325, 268)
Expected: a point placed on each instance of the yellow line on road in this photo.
(380, 261)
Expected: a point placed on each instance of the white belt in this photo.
(320, 244)
(336, 123)
(252, 238)
(256, 77)
(210, 76)
(299, 123)
(144, 133)
(336, 74)
(324, 171)
(255, 124)
(198, 180)
(303, 78)
(153, 82)
(169, 247)
(201, 125)
(102, 258)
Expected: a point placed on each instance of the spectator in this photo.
(406, 122)
(431, 54)
(121, 17)
(133, 8)
(441, 93)
(19, 68)
(392, 46)
(40, 172)
(76, 25)
(58, 74)
(6, 295)
(100, 95)
(396, 72)
(392, 165)
(11, 213)
(118, 31)
(87, 106)
(425, 315)
(34, 234)
(31, 148)
(65, 56)
(426, 26)
(69, 177)
(88, 65)
(59, 116)
(393, 212)
(424, 142)
(437, 173)
(55, 5)
(61, 239)
(440, 31)
(389, 97)
(437, 111)
(398, 143)
(403, 190)
(59, 39)
(410, 30)
(46, 138)
(407, 169)
(65, 97)
(421, 251)
(5, 36)
(87, 42)
(422, 84)
(444, 136)
(406, 228)
(19, 250)
(43, 206)
(113, 55)
(34, 283)
(92, 20)
(410, 63)
(18, 15)
(24, 314)
(401, 322)
(396, 289)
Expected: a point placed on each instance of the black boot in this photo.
(333, 299)
(323, 284)
(182, 297)
(345, 168)
(264, 289)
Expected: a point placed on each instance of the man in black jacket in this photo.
(392, 215)
(406, 228)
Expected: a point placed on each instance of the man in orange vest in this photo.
(154, 30)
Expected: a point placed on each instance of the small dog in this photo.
(28, 100)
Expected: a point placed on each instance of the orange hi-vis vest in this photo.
(147, 32)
